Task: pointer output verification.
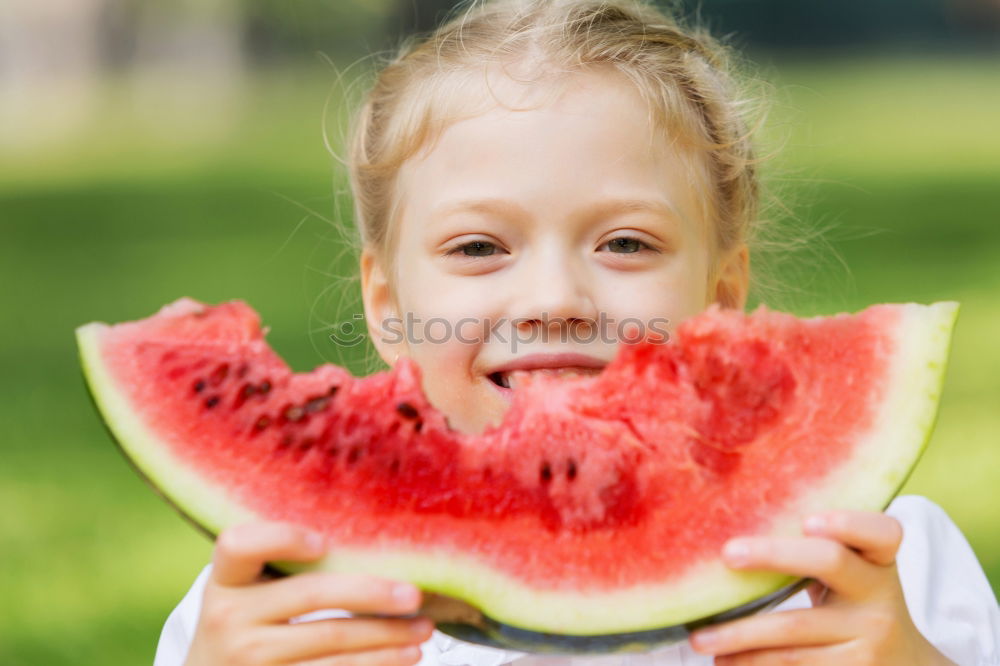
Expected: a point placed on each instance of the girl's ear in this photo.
(385, 328)
(732, 282)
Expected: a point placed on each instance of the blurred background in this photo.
(151, 150)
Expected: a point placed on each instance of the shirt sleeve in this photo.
(178, 630)
(948, 596)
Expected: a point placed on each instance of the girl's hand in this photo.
(244, 619)
(859, 615)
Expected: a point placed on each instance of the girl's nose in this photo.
(554, 290)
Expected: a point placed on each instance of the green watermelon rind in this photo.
(903, 429)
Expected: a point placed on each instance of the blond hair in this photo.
(683, 74)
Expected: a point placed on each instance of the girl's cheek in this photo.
(449, 381)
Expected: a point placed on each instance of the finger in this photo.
(397, 656)
(807, 627)
(831, 562)
(279, 600)
(241, 551)
(827, 655)
(875, 535)
(320, 638)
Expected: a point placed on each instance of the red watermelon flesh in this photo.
(599, 505)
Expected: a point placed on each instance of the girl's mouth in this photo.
(507, 377)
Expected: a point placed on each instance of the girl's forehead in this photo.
(523, 114)
(586, 130)
(498, 92)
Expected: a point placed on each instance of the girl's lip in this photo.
(539, 361)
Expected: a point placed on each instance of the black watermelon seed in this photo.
(243, 370)
(294, 413)
(353, 455)
(265, 386)
(262, 422)
(212, 402)
(287, 440)
(571, 470)
(407, 410)
(307, 443)
(316, 404)
(418, 425)
(546, 473)
(332, 390)
(199, 386)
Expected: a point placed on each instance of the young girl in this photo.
(531, 169)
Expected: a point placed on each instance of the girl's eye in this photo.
(625, 245)
(475, 249)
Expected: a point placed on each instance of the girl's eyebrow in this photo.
(507, 208)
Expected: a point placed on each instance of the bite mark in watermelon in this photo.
(597, 508)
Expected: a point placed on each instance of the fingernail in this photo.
(705, 640)
(411, 652)
(737, 551)
(421, 626)
(815, 524)
(405, 595)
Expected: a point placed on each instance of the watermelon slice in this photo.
(592, 518)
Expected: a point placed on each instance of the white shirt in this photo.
(946, 591)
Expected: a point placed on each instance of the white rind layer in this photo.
(868, 482)
(202, 502)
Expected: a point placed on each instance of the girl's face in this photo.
(538, 240)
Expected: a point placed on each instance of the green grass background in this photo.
(898, 159)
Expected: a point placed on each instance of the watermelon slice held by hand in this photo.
(593, 517)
